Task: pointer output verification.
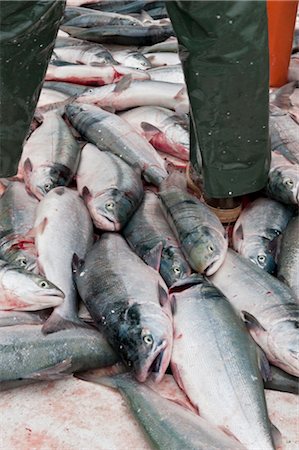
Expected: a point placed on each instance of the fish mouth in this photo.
(156, 364)
(49, 295)
(106, 224)
(214, 266)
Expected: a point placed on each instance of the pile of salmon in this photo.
(106, 256)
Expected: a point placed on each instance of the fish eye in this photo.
(210, 248)
(261, 258)
(47, 187)
(22, 261)
(148, 339)
(109, 205)
(176, 270)
(288, 182)
(44, 284)
(90, 91)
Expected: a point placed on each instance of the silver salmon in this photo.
(257, 229)
(50, 157)
(283, 182)
(129, 94)
(268, 306)
(288, 259)
(198, 230)
(166, 131)
(166, 424)
(215, 362)
(21, 290)
(17, 216)
(49, 357)
(150, 236)
(113, 134)
(128, 300)
(63, 227)
(111, 189)
(92, 75)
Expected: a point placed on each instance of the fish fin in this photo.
(281, 97)
(153, 256)
(57, 323)
(52, 373)
(177, 376)
(238, 233)
(149, 130)
(163, 295)
(27, 168)
(123, 84)
(38, 116)
(174, 179)
(252, 323)
(3, 188)
(86, 194)
(274, 244)
(145, 17)
(59, 190)
(276, 436)
(40, 228)
(77, 263)
(181, 94)
(263, 364)
(228, 433)
(173, 304)
(182, 108)
(108, 108)
(103, 380)
(184, 283)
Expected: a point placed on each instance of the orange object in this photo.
(281, 24)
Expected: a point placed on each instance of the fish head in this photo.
(208, 251)
(111, 209)
(283, 183)
(44, 178)
(30, 292)
(145, 340)
(283, 343)
(137, 61)
(173, 266)
(24, 259)
(260, 253)
(21, 252)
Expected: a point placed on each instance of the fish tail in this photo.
(174, 179)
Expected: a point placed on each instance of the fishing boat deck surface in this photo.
(71, 414)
